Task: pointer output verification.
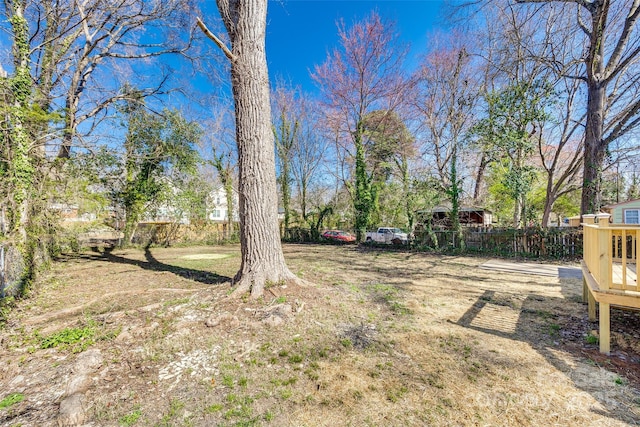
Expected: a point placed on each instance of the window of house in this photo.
(632, 216)
(216, 213)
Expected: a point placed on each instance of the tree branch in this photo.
(582, 25)
(629, 25)
(584, 3)
(625, 124)
(216, 40)
(623, 65)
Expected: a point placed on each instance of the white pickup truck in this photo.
(387, 235)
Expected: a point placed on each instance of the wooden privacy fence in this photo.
(609, 268)
(558, 243)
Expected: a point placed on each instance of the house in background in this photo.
(166, 213)
(470, 216)
(217, 208)
(624, 213)
(70, 213)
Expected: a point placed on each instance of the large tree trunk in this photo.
(594, 150)
(262, 257)
(21, 170)
(594, 146)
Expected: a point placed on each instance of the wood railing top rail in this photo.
(613, 226)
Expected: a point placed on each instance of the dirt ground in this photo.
(377, 338)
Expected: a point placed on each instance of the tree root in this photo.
(72, 311)
(256, 282)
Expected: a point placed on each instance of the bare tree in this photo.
(363, 75)
(560, 147)
(221, 141)
(560, 140)
(610, 34)
(81, 51)
(262, 257)
(110, 31)
(308, 153)
(446, 97)
(286, 126)
(527, 45)
(299, 145)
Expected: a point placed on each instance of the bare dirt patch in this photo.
(378, 338)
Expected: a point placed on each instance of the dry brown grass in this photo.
(380, 339)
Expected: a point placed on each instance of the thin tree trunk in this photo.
(303, 201)
(480, 176)
(517, 212)
(408, 196)
(286, 193)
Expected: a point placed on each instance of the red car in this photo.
(339, 236)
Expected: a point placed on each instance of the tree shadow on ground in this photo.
(153, 264)
(540, 321)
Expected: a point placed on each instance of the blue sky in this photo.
(301, 32)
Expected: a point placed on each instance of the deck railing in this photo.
(610, 269)
(610, 253)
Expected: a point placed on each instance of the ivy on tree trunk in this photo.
(365, 198)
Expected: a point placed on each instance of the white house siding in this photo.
(218, 209)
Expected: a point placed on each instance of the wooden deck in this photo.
(538, 269)
(621, 275)
(609, 270)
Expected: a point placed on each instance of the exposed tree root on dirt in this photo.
(72, 311)
(255, 282)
